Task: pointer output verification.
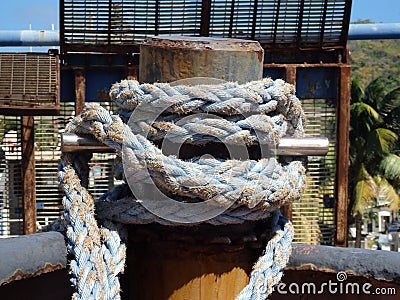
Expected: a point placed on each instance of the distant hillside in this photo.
(373, 58)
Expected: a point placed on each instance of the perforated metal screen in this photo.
(120, 26)
(314, 214)
(47, 158)
(29, 84)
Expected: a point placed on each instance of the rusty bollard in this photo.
(166, 59)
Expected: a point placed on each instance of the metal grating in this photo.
(47, 158)
(29, 84)
(10, 176)
(313, 215)
(120, 26)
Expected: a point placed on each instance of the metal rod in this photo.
(374, 31)
(29, 38)
(316, 146)
(14, 38)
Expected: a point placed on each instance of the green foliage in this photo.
(372, 59)
(374, 169)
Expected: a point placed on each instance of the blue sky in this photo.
(41, 14)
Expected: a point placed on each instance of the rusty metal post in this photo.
(168, 59)
(80, 90)
(342, 155)
(28, 175)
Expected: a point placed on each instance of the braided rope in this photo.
(260, 185)
(245, 109)
(268, 270)
(99, 255)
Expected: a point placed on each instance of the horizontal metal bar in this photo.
(31, 255)
(362, 262)
(29, 38)
(52, 38)
(374, 31)
(315, 146)
(312, 146)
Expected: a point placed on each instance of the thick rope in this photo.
(245, 108)
(268, 270)
(259, 186)
(99, 255)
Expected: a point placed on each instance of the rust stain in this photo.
(19, 274)
(260, 56)
(310, 267)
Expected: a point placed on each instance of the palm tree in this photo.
(374, 167)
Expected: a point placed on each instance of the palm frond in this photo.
(365, 192)
(390, 167)
(374, 92)
(382, 140)
(360, 109)
(390, 101)
(392, 119)
(357, 94)
(389, 193)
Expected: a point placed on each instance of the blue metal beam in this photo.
(29, 38)
(52, 38)
(374, 31)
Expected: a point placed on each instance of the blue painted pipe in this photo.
(29, 38)
(52, 38)
(374, 31)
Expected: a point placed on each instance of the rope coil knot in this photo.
(171, 191)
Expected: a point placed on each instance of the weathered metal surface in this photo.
(31, 255)
(29, 84)
(28, 174)
(342, 155)
(312, 81)
(360, 262)
(196, 262)
(317, 146)
(167, 59)
(317, 83)
(80, 90)
(94, 73)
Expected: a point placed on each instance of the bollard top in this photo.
(202, 43)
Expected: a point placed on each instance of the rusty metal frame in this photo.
(342, 146)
